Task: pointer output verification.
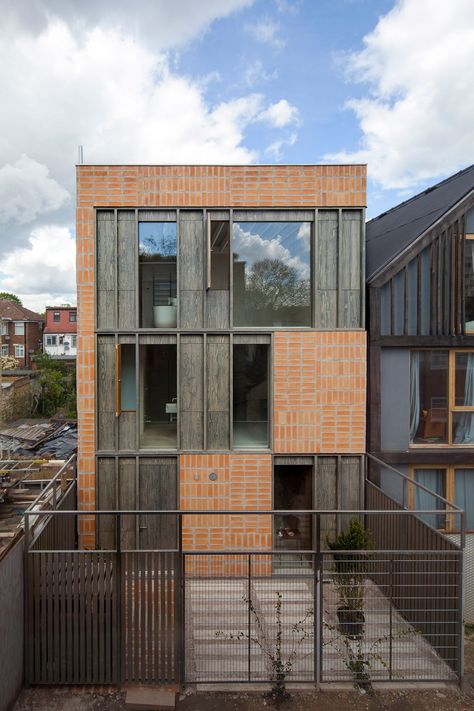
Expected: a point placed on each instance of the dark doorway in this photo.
(293, 489)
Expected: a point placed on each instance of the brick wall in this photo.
(319, 392)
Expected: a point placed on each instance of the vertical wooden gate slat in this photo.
(149, 614)
(169, 625)
(143, 589)
(156, 617)
(161, 629)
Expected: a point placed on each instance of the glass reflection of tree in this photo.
(273, 284)
(158, 246)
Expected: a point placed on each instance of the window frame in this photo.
(450, 477)
(50, 337)
(451, 399)
(19, 325)
(5, 346)
(58, 315)
(73, 317)
(19, 346)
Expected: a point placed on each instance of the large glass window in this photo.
(157, 255)
(250, 393)
(272, 273)
(158, 391)
(442, 397)
(452, 483)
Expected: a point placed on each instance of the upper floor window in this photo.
(442, 397)
(250, 395)
(56, 316)
(272, 273)
(218, 254)
(72, 316)
(4, 328)
(19, 328)
(157, 256)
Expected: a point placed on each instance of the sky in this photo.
(384, 82)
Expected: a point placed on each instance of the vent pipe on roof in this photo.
(80, 159)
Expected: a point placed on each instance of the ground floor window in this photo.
(19, 351)
(456, 484)
(4, 351)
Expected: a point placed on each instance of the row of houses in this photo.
(25, 332)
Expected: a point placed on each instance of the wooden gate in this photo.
(97, 617)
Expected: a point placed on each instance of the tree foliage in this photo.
(5, 295)
(56, 387)
(274, 284)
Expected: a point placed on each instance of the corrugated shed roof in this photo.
(390, 233)
(8, 309)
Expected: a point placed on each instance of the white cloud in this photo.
(46, 268)
(417, 120)
(255, 73)
(253, 248)
(280, 114)
(275, 149)
(160, 24)
(266, 31)
(26, 191)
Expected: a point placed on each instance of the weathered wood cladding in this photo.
(140, 483)
(425, 297)
(338, 255)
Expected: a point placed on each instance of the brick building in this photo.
(221, 348)
(60, 332)
(21, 332)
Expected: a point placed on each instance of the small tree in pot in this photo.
(349, 576)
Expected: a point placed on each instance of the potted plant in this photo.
(350, 573)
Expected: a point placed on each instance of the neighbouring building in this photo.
(60, 332)
(420, 258)
(221, 348)
(21, 332)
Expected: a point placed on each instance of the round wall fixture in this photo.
(213, 476)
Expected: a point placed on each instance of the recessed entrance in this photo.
(293, 485)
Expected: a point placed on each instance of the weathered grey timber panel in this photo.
(325, 308)
(191, 392)
(191, 251)
(127, 430)
(350, 269)
(191, 309)
(217, 308)
(349, 486)
(105, 269)
(106, 499)
(126, 264)
(219, 214)
(350, 250)
(157, 339)
(126, 338)
(105, 403)
(325, 278)
(350, 309)
(395, 399)
(240, 338)
(325, 494)
(280, 461)
(158, 490)
(218, 391)
(157, 216)
(12, 622)
(273, 216)
(127, 499)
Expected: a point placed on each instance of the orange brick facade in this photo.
(319, 392)
(298, 425)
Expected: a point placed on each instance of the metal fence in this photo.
(116, 615)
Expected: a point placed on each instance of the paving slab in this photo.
(146, 698)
